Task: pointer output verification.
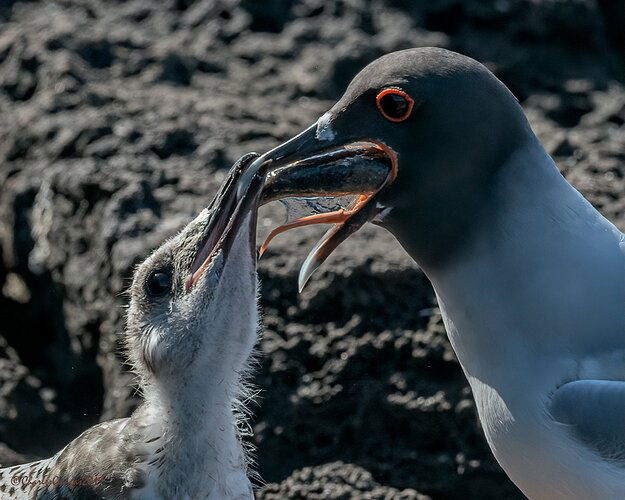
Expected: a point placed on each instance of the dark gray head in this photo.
(193, 302)
(444, 121)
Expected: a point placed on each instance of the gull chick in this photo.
(191, 328)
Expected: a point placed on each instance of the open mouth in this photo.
(329, 174)
(301, 167)
(305, 167)
(230, 211)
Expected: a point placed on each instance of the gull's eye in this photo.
(394, 104)
(158, 283)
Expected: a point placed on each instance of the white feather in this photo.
(324, 128)
(535, 301)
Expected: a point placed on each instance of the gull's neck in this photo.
(196, 421)
(543, 274)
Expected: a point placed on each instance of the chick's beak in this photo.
(311, 164)
(228, 211)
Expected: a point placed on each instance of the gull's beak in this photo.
(308, 166)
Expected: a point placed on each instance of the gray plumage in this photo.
(190, 342)
(529, 276)
(595, 412)
(100, 463)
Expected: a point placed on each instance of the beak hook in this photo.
(363, 210)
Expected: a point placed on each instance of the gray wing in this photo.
(100, 463)
(595, 410)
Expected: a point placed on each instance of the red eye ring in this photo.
(394, 104)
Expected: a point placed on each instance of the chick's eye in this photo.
(394, 104)
(158, 283)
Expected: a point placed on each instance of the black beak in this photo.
(307, 166)
(229, 211)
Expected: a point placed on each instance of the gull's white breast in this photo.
(538, 300)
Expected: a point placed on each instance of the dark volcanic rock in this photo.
(117, 122)
(334, 481)
(9, 457)
(29, 415)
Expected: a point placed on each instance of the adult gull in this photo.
(530, 278)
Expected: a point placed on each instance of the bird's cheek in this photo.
(152, 351)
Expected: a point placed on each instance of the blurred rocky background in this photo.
(119, 119)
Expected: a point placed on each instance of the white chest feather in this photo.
(538, 300)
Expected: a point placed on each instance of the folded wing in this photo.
(595, 410)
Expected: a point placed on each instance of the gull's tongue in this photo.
(309, 210)
(302, 207)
